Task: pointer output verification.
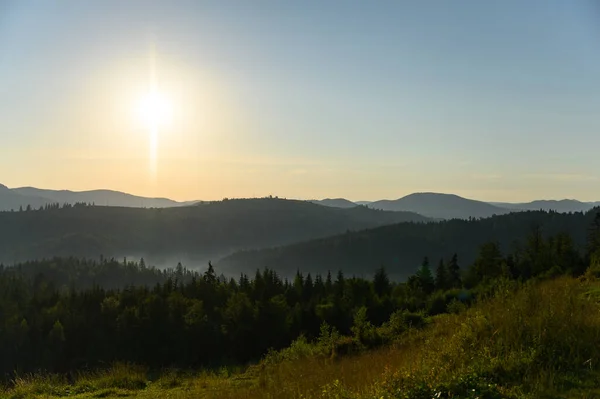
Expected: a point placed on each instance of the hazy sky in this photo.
(493, 100)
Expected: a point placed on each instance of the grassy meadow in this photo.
(538, 340)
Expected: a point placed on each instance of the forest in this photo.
(66, 314)
(201, 232)
(401, 247)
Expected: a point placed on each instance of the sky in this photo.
(496, 101)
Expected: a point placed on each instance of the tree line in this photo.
(203, 231)
(56, 316)
(401, 247)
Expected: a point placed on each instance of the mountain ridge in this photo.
(430, 204)
(208, 230)
(401, 247)
(13, 199)
(439, 205)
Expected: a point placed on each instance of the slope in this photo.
(10, 200)
(99, 197)
(503, 347)
(335, 202)
(401, 248)
(197, 233)
(565, 205)
(440, 206)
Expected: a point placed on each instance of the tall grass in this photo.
(523, 341)
(535, 341)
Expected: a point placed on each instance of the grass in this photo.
(536, 341)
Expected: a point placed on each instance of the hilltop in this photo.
(433, 205)
(10, 199)
(449, 206)
(200, 232)
(566, 205)
(35, 197)
(440, 206)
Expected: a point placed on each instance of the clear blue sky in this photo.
(306, 99)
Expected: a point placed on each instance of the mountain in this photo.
(401, 248)
(440, 206)
(566, 205)
(363, 202)
(335, 202)
(99, 197)
(201, 232)
(11, 200)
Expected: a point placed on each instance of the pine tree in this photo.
(454, 279)
(339, 284)
(210, 276)
(319, 286)
(57, 334)
(328, 283)
(593, 238)
(488, 265)
(441, 276)
(425, 277)
(308, 288)
(298, 284)
(381, 282)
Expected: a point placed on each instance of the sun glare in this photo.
(154, 110)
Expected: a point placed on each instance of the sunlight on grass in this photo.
(537, 341)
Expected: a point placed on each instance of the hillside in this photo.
(502, 347)
(440, 206)
(476, 331)
(12, 200)
(401, 248)
(98, 197)
(335, 202)
(166, 236)
(566, 205)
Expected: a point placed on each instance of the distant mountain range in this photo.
(35, 197)
(440, 206)
(566, 205)
(431, 205)
(450, 206)
(11, 199)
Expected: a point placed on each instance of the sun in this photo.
(154, 110)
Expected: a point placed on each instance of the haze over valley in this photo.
(241, 235)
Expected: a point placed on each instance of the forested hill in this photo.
(198, 233)
(402, 247)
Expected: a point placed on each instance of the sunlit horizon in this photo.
(210, 101)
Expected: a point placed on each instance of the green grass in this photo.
(537, 341)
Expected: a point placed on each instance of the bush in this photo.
(299, 349)
(122, 376)
(511, 345)
(467, 386)
(365, 333)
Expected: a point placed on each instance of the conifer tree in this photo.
(381, 282)
(425, 277)
(454, 279)
(441, 276)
